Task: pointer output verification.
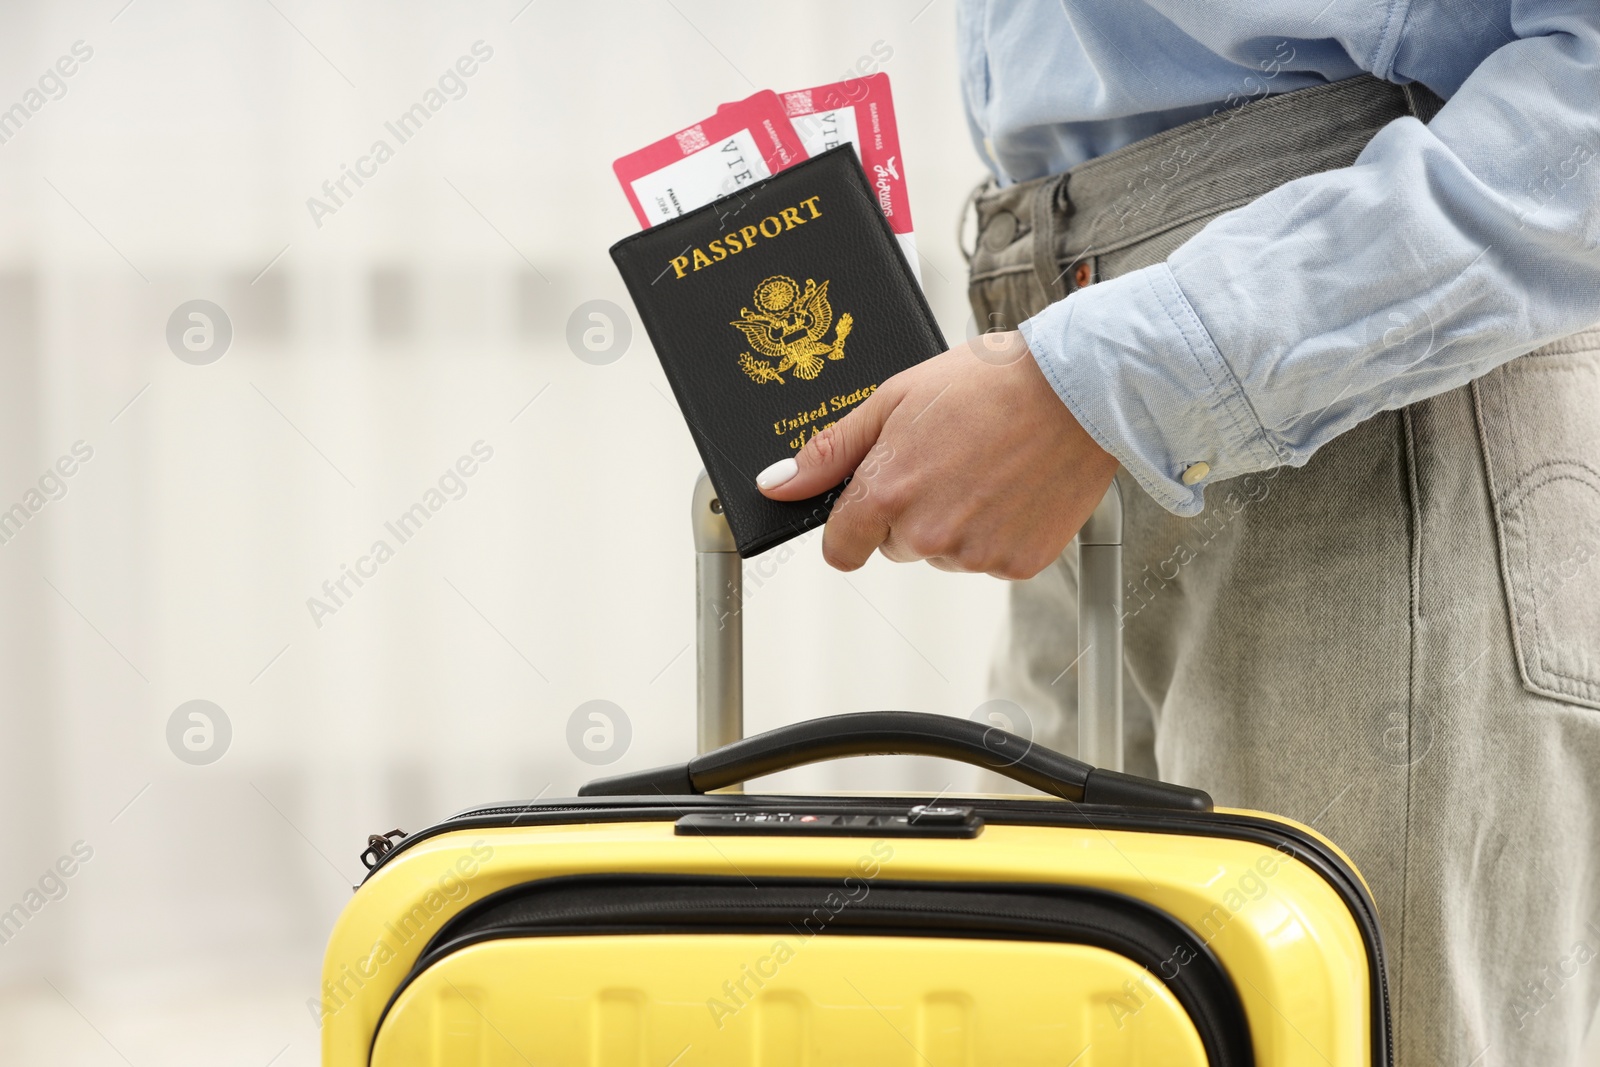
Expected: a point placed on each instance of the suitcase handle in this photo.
(875, 733)
(719, 644)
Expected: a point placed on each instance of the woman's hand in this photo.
(968, 460)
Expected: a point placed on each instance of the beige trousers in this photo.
(1398, 643)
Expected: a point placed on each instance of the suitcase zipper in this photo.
(644, 904)
(379, 846)
(1262, 831)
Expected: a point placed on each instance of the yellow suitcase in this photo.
(662, 918)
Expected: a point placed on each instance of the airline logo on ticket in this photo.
(859, 111)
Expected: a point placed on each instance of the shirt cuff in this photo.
(1132, 361)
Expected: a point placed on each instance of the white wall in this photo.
(377, 349)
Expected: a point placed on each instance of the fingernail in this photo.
(777, 474)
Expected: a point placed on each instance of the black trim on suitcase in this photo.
(1302, 845)
(595, 905)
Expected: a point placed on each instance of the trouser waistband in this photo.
(1190, 172)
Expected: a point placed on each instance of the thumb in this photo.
(829, 457)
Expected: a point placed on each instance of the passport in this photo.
(775, 311)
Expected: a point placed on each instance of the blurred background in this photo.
(178, 514)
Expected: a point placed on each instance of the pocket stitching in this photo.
(1549, 684)
(1589, 688)
(1552, 675)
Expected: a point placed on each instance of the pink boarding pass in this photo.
(860, 111)
(742, 143)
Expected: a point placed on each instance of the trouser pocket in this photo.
(1540, 420)
(1001, 301)
(1014, 276)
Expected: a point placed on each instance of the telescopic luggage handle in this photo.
(1100, 633)
(719, 622)
(719, 638)
(726, 759)
(875, 733)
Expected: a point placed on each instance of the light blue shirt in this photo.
(1446, 250)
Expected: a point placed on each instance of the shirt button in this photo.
(1194, 472)
(1083, 275)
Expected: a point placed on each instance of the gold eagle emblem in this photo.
(787, 329)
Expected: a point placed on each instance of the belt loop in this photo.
(970, 208)
(1046, 270)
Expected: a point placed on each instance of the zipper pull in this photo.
(379, 846)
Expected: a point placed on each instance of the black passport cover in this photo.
(769, 336)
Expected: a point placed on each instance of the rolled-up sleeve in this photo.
(1444, 251)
